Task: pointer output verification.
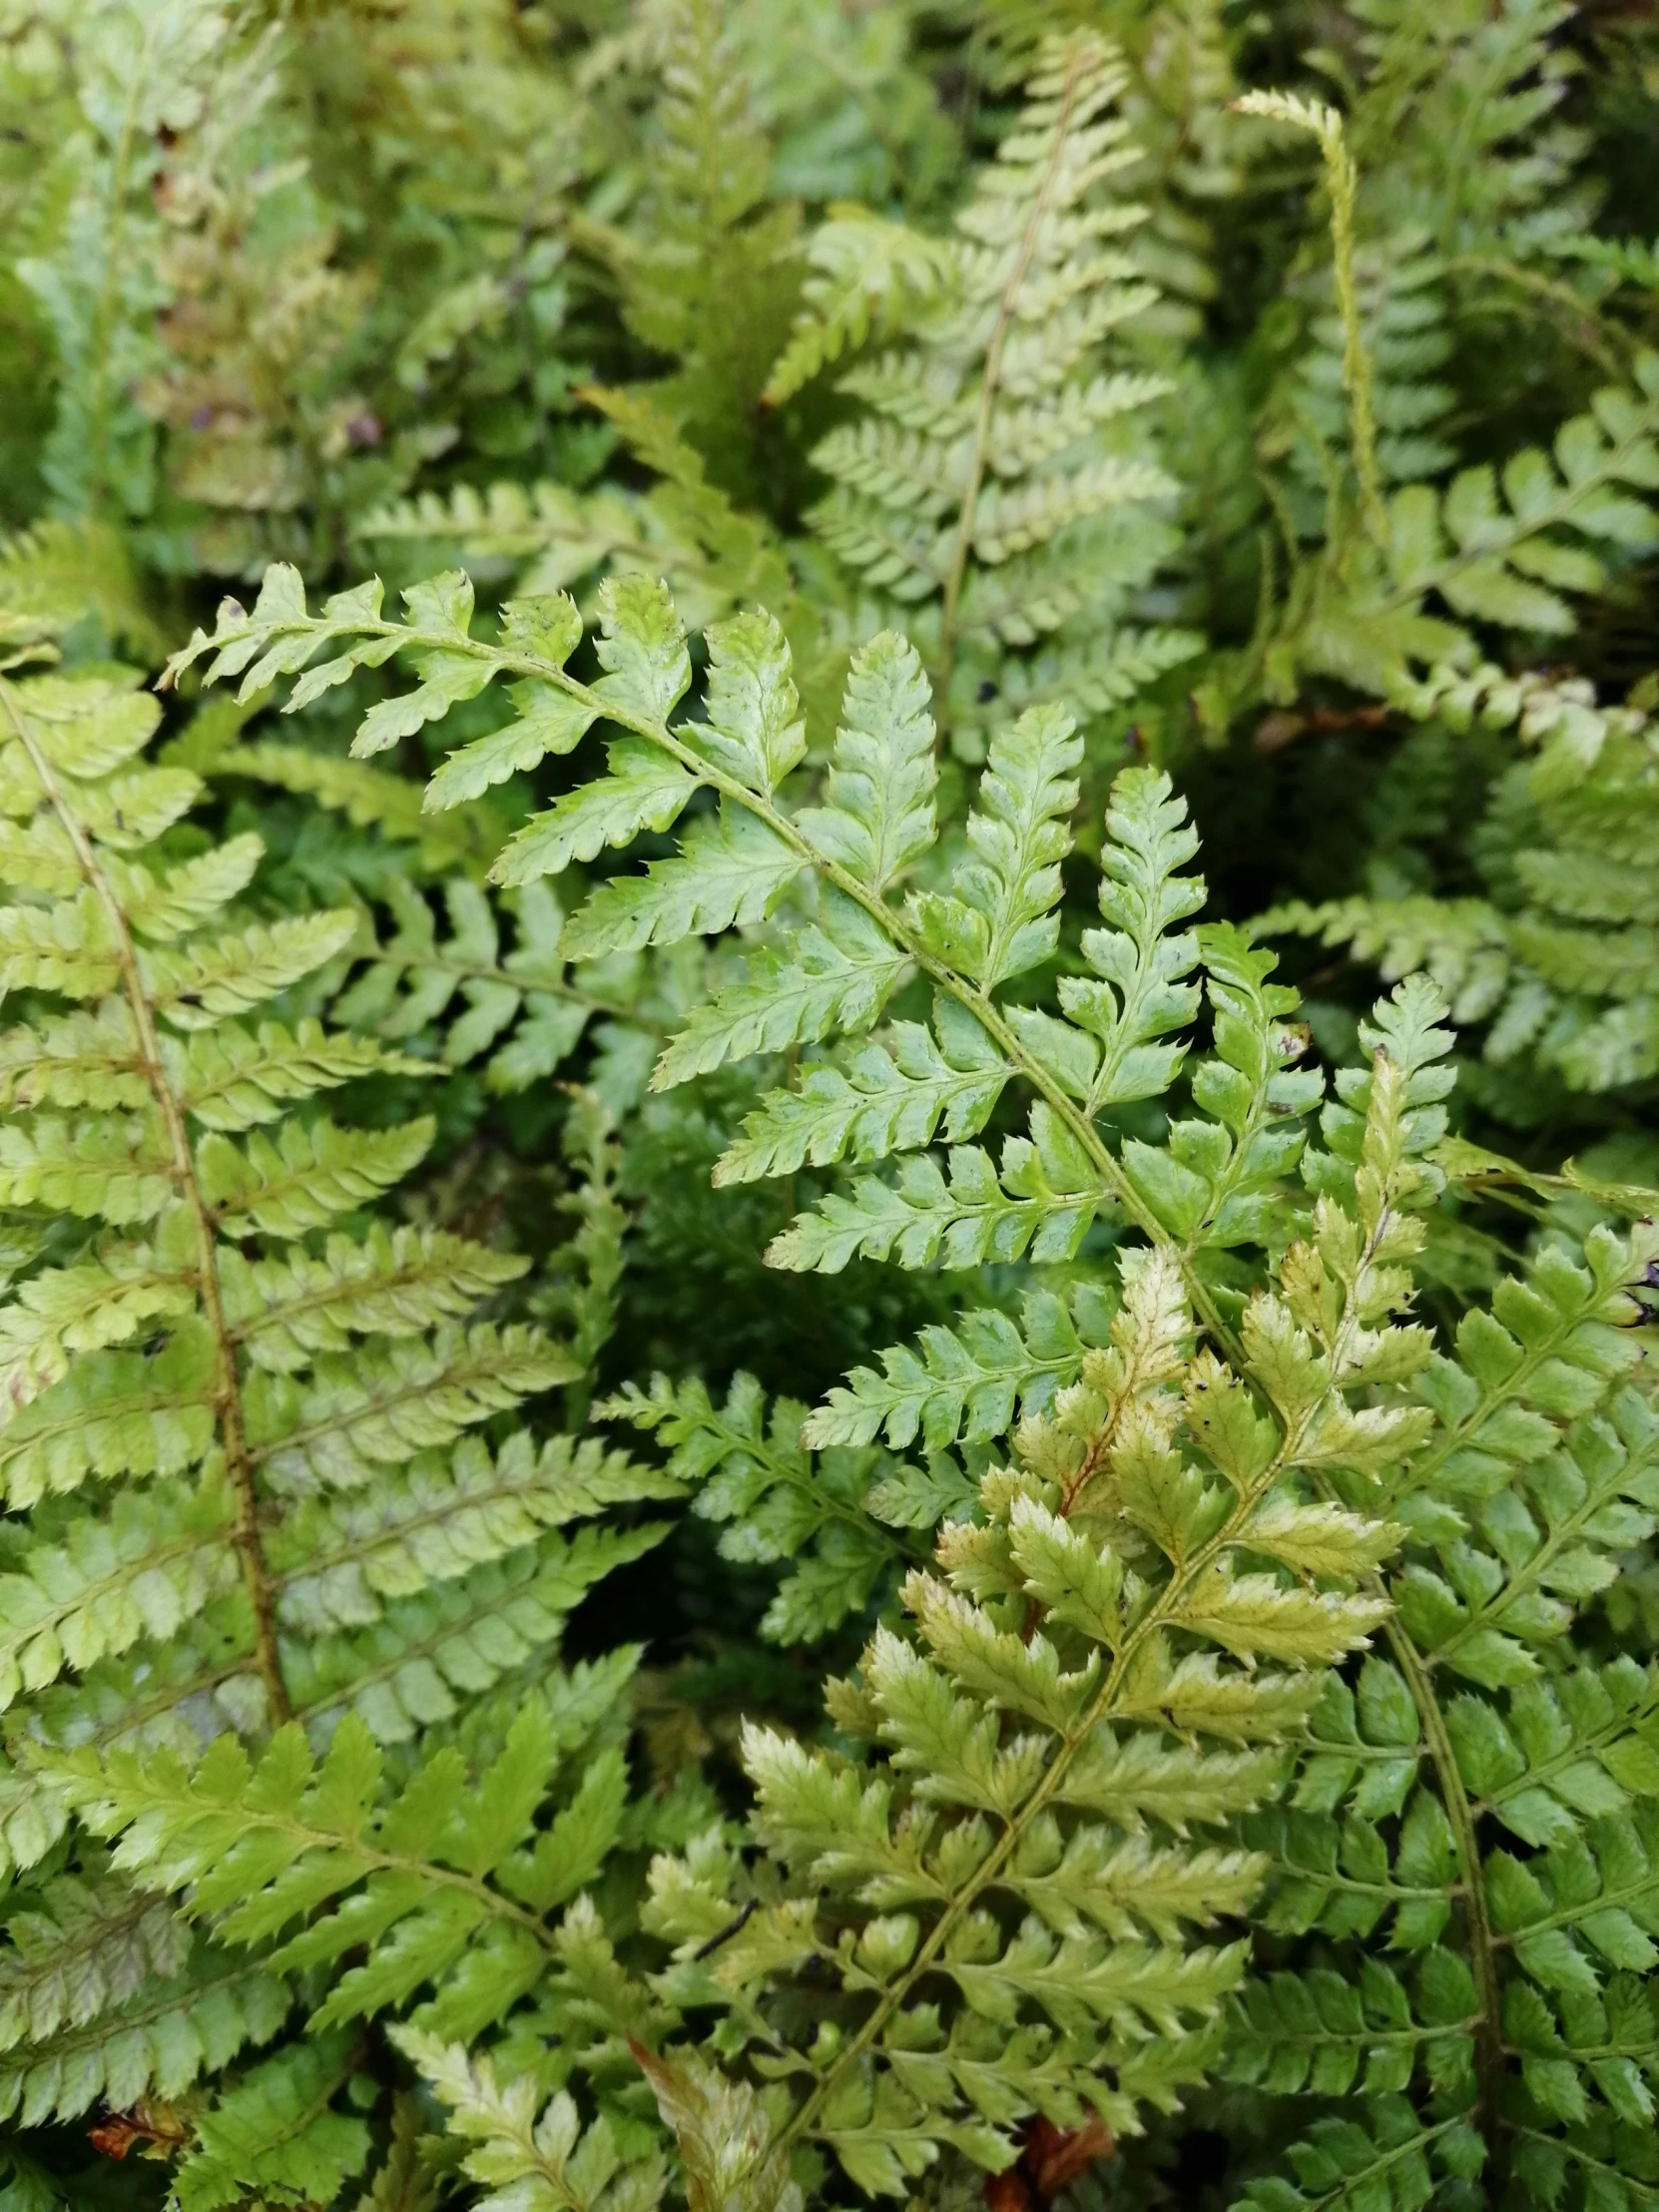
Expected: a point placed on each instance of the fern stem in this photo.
(483, 972)
(1488, 2046)
(239, 1463)
(991, 381)
(1453, 1797)
(1342, 179)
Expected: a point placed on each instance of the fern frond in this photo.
(1562, 971)
(451, 1877)
(752, 1474)
(517, 1014)
(108, 1997)
(994, 450)
(239, 1412)
(279, 2130)
(1180, 1542)
(549, 2163)
(51, 576)
(705, 273)
(869, 278)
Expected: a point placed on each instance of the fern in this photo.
(705, 273)
(1561, 973)
(1507, 549)
(1183, 1541)
(1210, 1450)
(752, 1476)
(1532, 1466)
(1463, 115)
(52, 575)
(144, 72)
(547, 2163)
(715, 555)
(517, 1014)
(243, 1417)
(996, 469)
(1115, 1047)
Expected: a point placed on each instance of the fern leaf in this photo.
(548, 2163)
(836, 976)
(750, 1475)
(885, 1100)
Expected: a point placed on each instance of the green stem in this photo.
(1488, 2044)
(1343, 179)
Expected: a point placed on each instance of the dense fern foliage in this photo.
(828, 1169)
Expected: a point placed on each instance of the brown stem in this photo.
(227, 1391)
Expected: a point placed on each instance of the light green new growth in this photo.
(998, 487)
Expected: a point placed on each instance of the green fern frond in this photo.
(1181, 1542)
(868, 278)
(1562, 971)
(107, 1997)
(715, 556)
(279, 2131)
(705, 269)
(752, 1474)
(515, 1015)
(53, 575)
(240, 1412)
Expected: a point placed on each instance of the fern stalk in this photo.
(1488, 2031)
(1341, 179)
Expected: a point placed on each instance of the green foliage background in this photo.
(890, 1488)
